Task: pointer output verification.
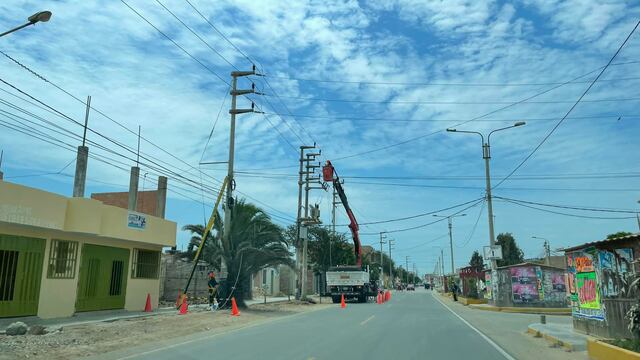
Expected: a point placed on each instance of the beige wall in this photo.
(28, 206)
(58, 296)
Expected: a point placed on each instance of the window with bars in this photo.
(146, 264)
(62, 259)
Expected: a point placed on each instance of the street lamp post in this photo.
(547, 249)
(453, 267)
(486, 155)
(41, 16)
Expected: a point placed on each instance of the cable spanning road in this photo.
(411, 326)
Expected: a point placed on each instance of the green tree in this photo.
(618, 234)
(511, 253)
(476, 260)
(321, 242)
(254, 243)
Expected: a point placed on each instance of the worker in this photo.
(213, 289)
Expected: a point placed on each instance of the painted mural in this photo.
(616, 269)
(584, 285)
(524, 284)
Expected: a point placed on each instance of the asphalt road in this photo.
(413, 325)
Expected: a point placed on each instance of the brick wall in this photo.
(146, 200)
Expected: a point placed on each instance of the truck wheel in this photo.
(335, 299)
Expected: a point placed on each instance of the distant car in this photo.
(411, 287)
(427, 286)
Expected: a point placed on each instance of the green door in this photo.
(103, 278)
(21, 261)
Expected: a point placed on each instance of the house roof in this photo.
(635, 236)
(531, 264)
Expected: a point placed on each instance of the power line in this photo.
(403, 102)
(427, 224)
(384, 119)
(475, 225)
(567, 214)
(570, 109)
(406, 141)
(431, 83)
(415, 216)
(425, 243)
(583, 208)
(176, 44)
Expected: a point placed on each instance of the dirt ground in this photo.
(97, 338)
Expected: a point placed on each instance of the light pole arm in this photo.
(15, 29)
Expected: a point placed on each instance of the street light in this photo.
(40, 16)
(547, 249)
(453, 267)
(486, 155)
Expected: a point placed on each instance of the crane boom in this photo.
(328, 172)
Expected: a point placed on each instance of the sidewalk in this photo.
(560, 335)
(509, 330)
(115, 315)
(522, 310)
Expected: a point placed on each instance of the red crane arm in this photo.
(328, 174)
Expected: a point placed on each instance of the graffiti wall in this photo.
(488, 286)
(584, 285)
(524, 284)
(595, 275)
(538, 286)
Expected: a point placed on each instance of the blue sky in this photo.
(407, 70)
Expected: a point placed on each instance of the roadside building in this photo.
(599, 277)
(266, 282)
(472, 281)
(174, 273)
(61, 255)
(529, 285)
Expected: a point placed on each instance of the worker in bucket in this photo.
(213, 289)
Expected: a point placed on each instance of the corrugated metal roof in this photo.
(635, 236)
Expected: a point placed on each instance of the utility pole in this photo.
(333, 220)
(382, 237)
(406, 260)
(306, 169)
(390, 241)
(299, 222)
(547, 249)
(449, 221)
(231, 184)
(442, 267)
(486, 155)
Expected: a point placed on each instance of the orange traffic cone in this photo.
(234, 307)
(147, 307)
(342, 303)
(387, 295)
(183, 307)
(179, 299)
(379, 301)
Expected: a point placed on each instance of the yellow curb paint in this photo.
(599, 350)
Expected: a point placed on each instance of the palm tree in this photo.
(254, 243)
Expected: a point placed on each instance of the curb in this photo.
(524, 310)
(599, 350)
(554, 340)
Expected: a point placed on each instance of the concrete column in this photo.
(133, 188)
(81, 171)
(161, 196)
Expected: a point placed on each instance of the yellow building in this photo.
(61, 255)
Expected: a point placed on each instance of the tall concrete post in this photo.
(80, 177)
(161, 197)
(133, 188)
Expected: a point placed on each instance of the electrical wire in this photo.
(567, 214)
(583, 208)
(475, 225)
(580, 99)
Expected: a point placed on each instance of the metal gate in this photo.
(103, 278)
(21, 261)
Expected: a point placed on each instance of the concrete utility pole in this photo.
(310, 169)
(228, 208)
(1, 173)
(486, 155)
(406, 260)
(80, 177)
(547, 249)
(333, 220)
(382, 237)
(453, 267)
(442, 266)
(134, 179)
(390, 241)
